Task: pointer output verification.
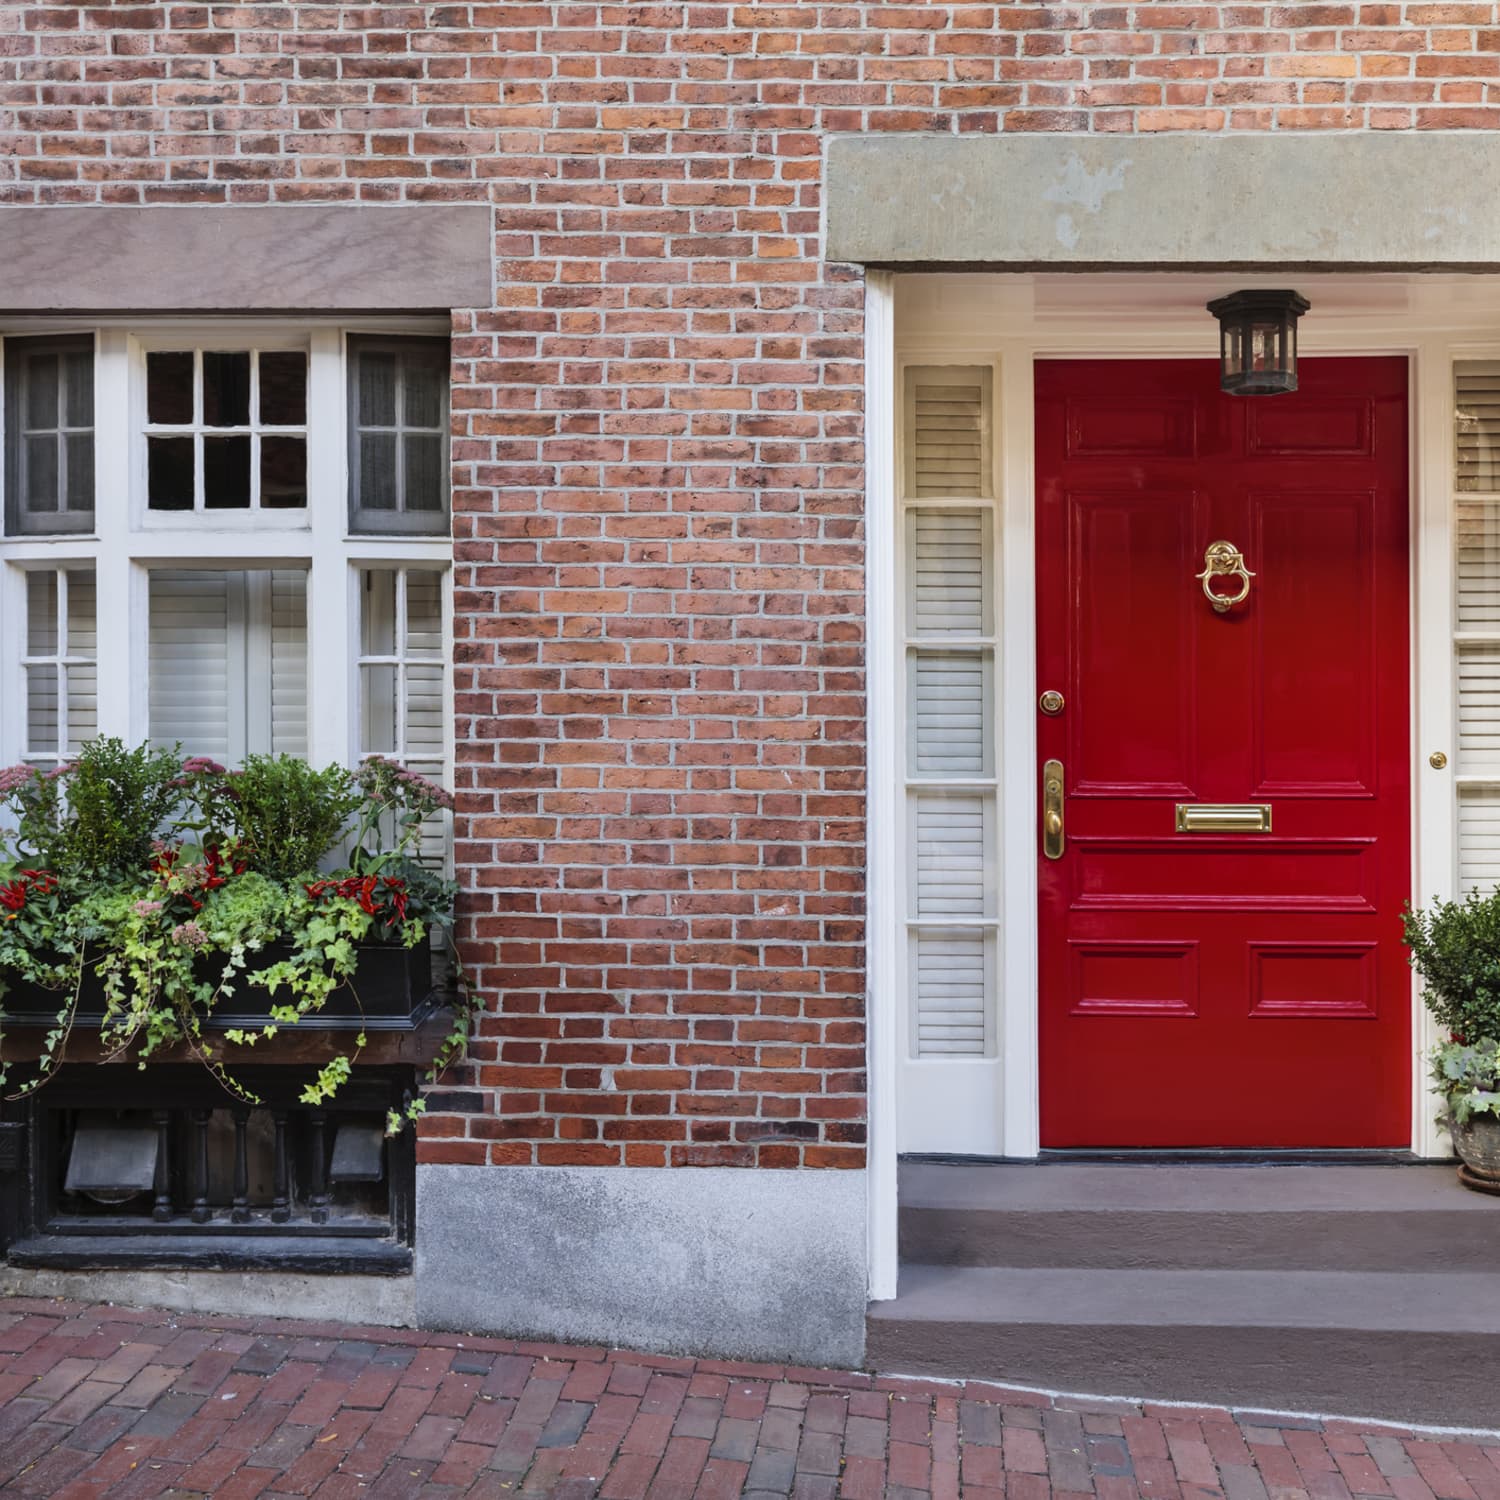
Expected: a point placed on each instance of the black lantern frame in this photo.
(1258, 341)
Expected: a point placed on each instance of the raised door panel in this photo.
(1132, 669)
(1314, 673)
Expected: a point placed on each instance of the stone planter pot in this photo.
(392, 990)
(1477, 1142)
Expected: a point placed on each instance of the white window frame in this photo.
(128, 541)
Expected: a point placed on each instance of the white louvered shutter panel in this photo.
(1476, 541)
(1477, 425)
(228, 661)
(288, 662)
(1479, 710)
(425, 718)
(954, 854)
(1478, 839)
(947, 431)
(190, 662)
(61, 659)
(949, 558)
(951, 986)
(82, 659)
(948, 713)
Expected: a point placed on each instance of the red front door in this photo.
(1224, 987)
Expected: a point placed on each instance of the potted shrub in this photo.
(1455, 947)
(166, 900)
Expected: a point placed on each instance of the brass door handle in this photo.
(1052, 809)
(1223, 560)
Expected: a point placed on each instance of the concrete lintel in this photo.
(752, 1264)
(1397, 200)
(263, 258)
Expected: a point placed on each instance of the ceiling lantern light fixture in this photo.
(1258, 341)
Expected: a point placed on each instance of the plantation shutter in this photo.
(60, 663)
(952, 986)
(951, 832)
(1476, 581)
(948, 432)
(1477, 428)
(228, 661)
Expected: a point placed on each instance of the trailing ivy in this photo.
(174, 877)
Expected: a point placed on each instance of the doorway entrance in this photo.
(1222, 616)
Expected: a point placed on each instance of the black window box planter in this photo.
(393, 989)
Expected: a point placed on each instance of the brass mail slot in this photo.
(1223, 817)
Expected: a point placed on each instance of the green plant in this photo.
(1455, 947)
(286, 815)
(165, 880)
(97, 816)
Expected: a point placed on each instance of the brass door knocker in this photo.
(1223, 560)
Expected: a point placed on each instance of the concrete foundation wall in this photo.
(384, 1301)
(758, 1265)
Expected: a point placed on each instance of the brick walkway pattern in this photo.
(109, 1401)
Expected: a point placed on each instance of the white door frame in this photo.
(1012, 321)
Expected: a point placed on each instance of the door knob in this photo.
(1052, 809)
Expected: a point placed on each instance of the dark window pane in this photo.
(283, 472)
(283, 388)
(169, 473)
(169, 387)
(424, 393)
(78, 381)
(226, 389)
(226, 473)
(41, 473)
(80, 461)
(424, 479)
(377, 470)
(377, 390)
(41, 391)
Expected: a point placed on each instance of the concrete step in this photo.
(1407, 1346)
(1313, 1218)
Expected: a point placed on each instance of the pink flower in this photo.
(147, 908)
(13, 777)
(189, 934)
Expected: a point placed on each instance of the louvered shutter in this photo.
(1478, 838)
(228, 661)
(948, 431)
(1477, 425)
(948, 569)
(951, 979)
(288, 717)
(951, 832)
(954, 846)
(949, 713)
(1476, 581)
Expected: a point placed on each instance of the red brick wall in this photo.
(657, 458)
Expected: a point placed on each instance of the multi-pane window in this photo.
(226, 429)
(49, 425)
(266, 551)
(1476, 526)
(59, 663)
(952, 897)
(398, 422)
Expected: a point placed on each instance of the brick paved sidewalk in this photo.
(112, 1401)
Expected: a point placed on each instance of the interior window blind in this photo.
(228, 661)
